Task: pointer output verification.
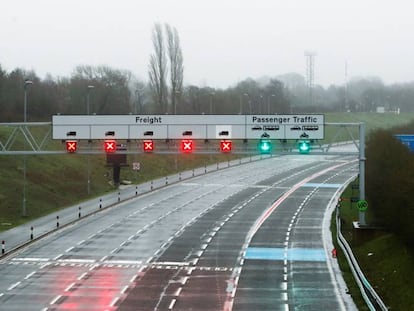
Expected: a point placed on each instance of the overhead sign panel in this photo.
(188, 126)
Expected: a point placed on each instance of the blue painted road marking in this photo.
(293, 254)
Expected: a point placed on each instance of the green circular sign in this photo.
(362, 205)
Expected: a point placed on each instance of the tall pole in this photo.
(362, 221)
(88, 110)
(90, 87)
(24, 208)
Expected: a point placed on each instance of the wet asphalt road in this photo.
(244, 238)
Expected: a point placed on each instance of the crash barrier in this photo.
(370, 296)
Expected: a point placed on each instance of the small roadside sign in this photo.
(136, 166)
(362, 205)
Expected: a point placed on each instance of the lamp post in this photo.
(24, 209)
(88, 111)
(90, 87)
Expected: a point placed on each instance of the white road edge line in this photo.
(55, 300)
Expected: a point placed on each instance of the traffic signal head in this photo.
(304, 146)
(110, 145)
(148, 145)
(187, 146)
(71, 146)
(265, 146)
(225, 145)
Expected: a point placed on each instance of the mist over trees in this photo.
(107, 90)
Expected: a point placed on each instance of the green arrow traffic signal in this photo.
(304, 146)
(265, 146)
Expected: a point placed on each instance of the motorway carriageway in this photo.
(251, 237)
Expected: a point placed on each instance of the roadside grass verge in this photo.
(387, 263)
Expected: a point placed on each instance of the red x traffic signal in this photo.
(225, 145)
(148, 145)
(71, 146)
(110, 146)
(187, 146)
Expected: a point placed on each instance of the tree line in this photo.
(106, 90)
(390, 181)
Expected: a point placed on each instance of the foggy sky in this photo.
(223, 41)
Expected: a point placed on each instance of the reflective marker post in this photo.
(3, 249)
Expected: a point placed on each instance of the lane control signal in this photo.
(71, 146)
(225, 145)
(265, 146)
(110, 145)
(187, 146)
(148, 145)
(304, 146)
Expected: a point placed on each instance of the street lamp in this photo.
(90, 87)
(26, 84)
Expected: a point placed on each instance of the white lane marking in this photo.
(172, 303)
(69, 249)
(124, 262)
(81, 242)
(1, 294)
(14, 286)
(124, 289)
(29, 275)
(76, 260)
(114, 301)
(31, 259)
(58, 256)
(82, 276)
(178, 292)
(69, 287)
(184, 280)
(114, 250)
(55, 300)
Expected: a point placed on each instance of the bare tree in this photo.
(157, 68)
(175, 56)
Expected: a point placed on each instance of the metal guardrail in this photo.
(370, 296)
